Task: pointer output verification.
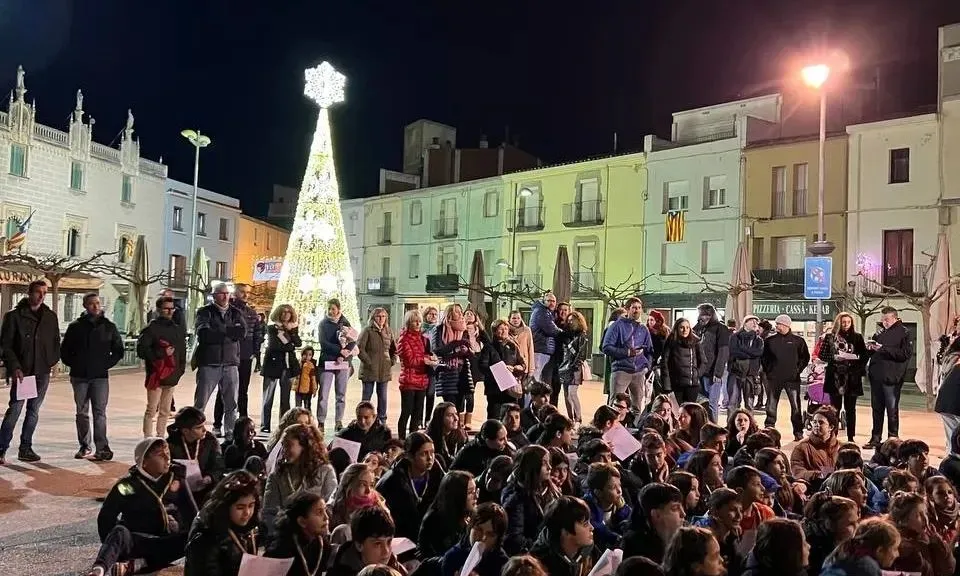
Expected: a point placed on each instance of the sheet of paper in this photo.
(349, 446)
(898, 573)
(608, 563)
(848, 356)
(622, 443)
(194, 475)
(401, 545)
(503, 376)
(329, 365)
(273, 458)
(470, 564)
(27, 388)
(251, 565)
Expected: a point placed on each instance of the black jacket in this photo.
(746, 348)
(280, 357)
(475, 456)
(91, 347)
(405, 506)
(642, 540)
(524, 517)
(684, 362)
(576, 350)
(218, 335)
(950, 468)
(253, 329)
(715, 341)
(784, 357)
(821, 544)
(314, 551)
(130, 504)
(235, 456)
(30, 340)
(554, 561)
(438, 534)
(528, 419)
(208, 456)
(491, 353)
(847, 374)
(148, 349)
(212, 552)
(373, 440)
(888, 365)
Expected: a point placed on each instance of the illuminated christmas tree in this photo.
(316, 266)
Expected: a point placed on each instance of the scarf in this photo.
(944, 520)
(453, 330)
(358, 502)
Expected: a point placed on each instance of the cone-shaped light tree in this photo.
(316, 266)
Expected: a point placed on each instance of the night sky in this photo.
(563, 76)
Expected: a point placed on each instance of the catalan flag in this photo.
(17, 240)
(675, 226)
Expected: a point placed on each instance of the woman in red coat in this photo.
(413, 348)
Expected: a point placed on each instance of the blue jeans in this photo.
(338, 379)
(950, 424)
(91, 393)
(227, 378)
(270, 386)
(29, 421)
(381, 398)
(712, 392)
(885, 400)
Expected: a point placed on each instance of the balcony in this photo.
(877, 281)
(783, 281)
(589, 213)
(585, 283)
(442, 283)
(525, 219)
(527, 281)
(384, 235)
(178, 279)
(382, 285)
(445, 228)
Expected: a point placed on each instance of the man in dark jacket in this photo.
(715, 341)
(196, 449)
(253, 334)
(890, 351)
(162, 329)
(219, 328)
(91, 347)
(476, 454)
(178, 315)
(543, 326)
(746, 347)
(370, 433)
(785, 355)
(30, 341)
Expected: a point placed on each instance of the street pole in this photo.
(196, 180)
(513, 240)
(820, 170)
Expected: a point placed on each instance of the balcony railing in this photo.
(585, 283)
(445, 228)
(884, 281)
(779, 281)
(525, 219)
(382, 285)
(588, 213)
(177, 279)
(384, 235)
(440, 283)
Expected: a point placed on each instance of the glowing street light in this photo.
(814, 76)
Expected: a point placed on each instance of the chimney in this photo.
(483, 141)
(435, 144)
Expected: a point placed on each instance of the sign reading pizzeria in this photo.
(796, 309)
(267, 270)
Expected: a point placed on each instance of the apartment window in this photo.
(413, 269)
(676, 196)
(178, 269)
(73, 242)
(898, 259)
(18, 160)
(899, 165)
(779, 188)
(178, 218)
(12, 227)
(711, 256)
(673, 258)
(714, 191)
(201, 224)
(124, 249)
(351, 223)
(225, 229)
(491, 204)
(126, 189)
(256, 235)
(529, 264)
(489, 262)
(800, 189)
(448, 260)
(416, 213)
(76, 175)
(221, 271)
(268, 239)
(789, 252)
(69, 305)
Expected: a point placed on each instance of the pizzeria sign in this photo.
(267, 270)
(795, 308)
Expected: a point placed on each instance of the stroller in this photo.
(813, 393)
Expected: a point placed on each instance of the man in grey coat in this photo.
(219, 328)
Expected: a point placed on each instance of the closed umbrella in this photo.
(475, 295)
(561, 276)
(943, 309)
(740, 297)
(140, 269)
(197, 288)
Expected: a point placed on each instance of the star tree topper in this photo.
(325, 85)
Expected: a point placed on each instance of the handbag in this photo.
(585, 371)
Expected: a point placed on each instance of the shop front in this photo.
(680, 305)
(803, 313)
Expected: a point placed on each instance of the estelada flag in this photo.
(675, 226)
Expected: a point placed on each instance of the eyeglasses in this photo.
(165, 309)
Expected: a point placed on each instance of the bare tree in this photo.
(56, 267)
(613, 296)
(861, 305)
(506, 290)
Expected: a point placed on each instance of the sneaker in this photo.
(218, 431)
(265, 429)
(28, 455)
(872, 445)
(104, 455)
(96, 571)
(82, 453)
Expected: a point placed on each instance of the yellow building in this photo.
(258, 252)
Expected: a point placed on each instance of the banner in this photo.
(267, 270)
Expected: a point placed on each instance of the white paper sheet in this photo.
(608, 563)
(273, 458)
(898, 573)
(622, 443)
(251, 565)
(470, 564)
(333, 365)
(503, 376)
(349, 446)
(27, 388)
(401, 545)
(194, 475)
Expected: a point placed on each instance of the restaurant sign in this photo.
(267, 270)
(796, 309)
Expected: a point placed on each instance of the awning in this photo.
(22, 275)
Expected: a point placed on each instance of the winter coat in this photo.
(149, 350)
(208, 456)
(784, 357)
(683, 363)
(212, 552)
(524, 341)
(658, 340)
(746, 348)
(91, 346)
(438, 534)
(452, 380)
(607, 536)
(948, 397)
(753, 567)
(328, 338)
(235, 455)
(306, 381)
(619, 338)
(280, 357)
(475, 456)
(888, 365)
(547, 550)
(407, 508)
(284, 483)
(373, 440)
(950, 468)
(219, 333)
(846, 374)
(491, 562)
(642, 540)
(412, 349)
(493, 352)
(524, 517)
(347, 562)
(130, 504)
(852, 566)
(927, 554)
(253, 329)
(528, 419)
(377, 352)
(30, 341)
(314, 552)
(715, 341)
(811, 456)
(544, 328)
(576, 351)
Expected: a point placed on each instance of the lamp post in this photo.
(816, 76)
(503, 262)
(198, 141)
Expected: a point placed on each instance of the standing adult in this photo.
(890, 350)
(785, 355)
(559, 343)
(258, 344)
(30, 343)
(576, 351)
(627, 342)
(413, 348)
(219, 328)
(543, 325)
(431, 317)
(501, 348)
(247, 348)
(91, 347)
(334, 347)
(948, 398)
(451, 345)
(378, 353)
(178, 315)
(683, 363)
(715, 340)
(746, 347)
(845, 353)
(523, 338)
(279, 361)
(163, 347)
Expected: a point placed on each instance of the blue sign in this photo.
(817, 277)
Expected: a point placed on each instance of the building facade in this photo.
(259, 248)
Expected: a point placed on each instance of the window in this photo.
(73, 242)
(586, 265)
(489, 263)
(491, 204)
(413, 270)
(69, 305)
(221, 271)
(225, 229)
(178, 218)
(12, 227)
(124, 249)
(898, 259)
(529, 264)
(899, 165)
(416, 213)
(256, 234)
(800, 189)
(18, 160)
(268, 239)
(201, 224)
(178, 269)
(676, 196)
(448, 260)
(779, 191)
(711, 256)
(789, 252)
(126, 192)
(76, 175)
(714, 191)
(674, 257)
(352, 223)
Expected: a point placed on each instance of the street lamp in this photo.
(502, 262)
(198, 141)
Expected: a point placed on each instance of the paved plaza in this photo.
(48, 510)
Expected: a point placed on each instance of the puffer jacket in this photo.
(91, 347)
(715, 341)
(746, 348)
(253, 329)
(619, 338)
(547, 550)
(407, 508)
(328, 337)
(524, 517)
(280, 356)
(377, 352)
(30, 341)
(683, 363)
(218, 335)
(212, 552)
(576, 351)
(412, 349)
(543, 325)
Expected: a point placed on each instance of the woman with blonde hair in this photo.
(523, 338)
(415, 364)
(576, 350)
(845, 354)
(355, 491)
(279, 361)
(378, 353)
(452, 346)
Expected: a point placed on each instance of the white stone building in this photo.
(352, 212)
(81, 198)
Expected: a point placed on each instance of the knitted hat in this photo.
(188, 417)
(770, 485)
(143, 448)
(749, 318)
(784, 319)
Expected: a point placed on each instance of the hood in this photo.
(707, 308)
